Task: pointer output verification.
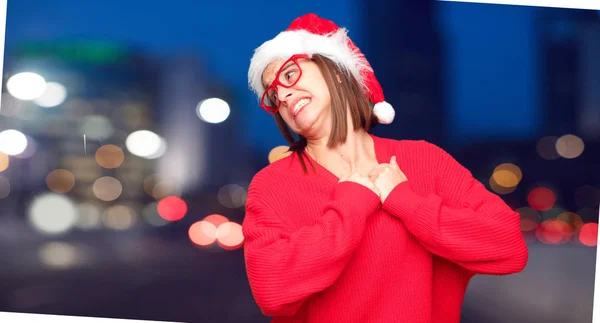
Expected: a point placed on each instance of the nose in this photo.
(284, 93)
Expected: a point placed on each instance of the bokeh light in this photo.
(89, 217)
(107, 188)
(541, 198)
(530, 218)
(162, 149)
(96, 127)
(119, 217)
(12, 142)
(500, 189)
(572, 219)
(172, 208)
(505, 178)
(30, 149)
(229, 235)
(232, 196)
(552, 213)
(278, 153)
(52, 213)
(554, 232)
(213, 110)
(4, 162)
(202, 233)
(59, 255)
(110, 156)
(569, 146)
(144, 143)
(60, 181)
(164, 188)
(26, 85)
(160, 187)
(507, 175)
(546, 148)
(85, 169)
(588, 234)
(216, 219)
(151, 216)
(54, 94)
(150, 182)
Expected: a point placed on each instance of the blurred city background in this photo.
(128, 138)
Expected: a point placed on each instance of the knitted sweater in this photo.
(320, 250)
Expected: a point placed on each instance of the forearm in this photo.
(482, 235)
(285, 267)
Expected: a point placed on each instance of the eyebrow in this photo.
(283, 68)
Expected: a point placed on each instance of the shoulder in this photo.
(412, 147)
(276, 176)
(421, 154)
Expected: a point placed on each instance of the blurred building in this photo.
(97, 94)
(206, 159)
(121, 132)
(200, 119)
(569, 44)
(588, 120)
(404, 47)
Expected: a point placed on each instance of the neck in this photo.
(357, 148)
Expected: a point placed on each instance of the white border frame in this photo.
(570, 4)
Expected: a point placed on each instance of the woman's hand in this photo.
(385, 177)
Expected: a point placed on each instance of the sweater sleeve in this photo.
(463, 222)
(286, 266)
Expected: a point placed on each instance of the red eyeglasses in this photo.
(287, 76)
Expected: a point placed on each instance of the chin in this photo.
(306, 122)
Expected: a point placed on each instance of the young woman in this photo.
(352, 227)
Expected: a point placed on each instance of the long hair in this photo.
(346, 96)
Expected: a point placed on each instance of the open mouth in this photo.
(299, 105)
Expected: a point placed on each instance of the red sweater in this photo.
(321, 251)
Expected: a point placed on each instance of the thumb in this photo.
(393, 160)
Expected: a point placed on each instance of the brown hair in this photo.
(345, 91)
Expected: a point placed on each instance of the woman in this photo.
(352, 227)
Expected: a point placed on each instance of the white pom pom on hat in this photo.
(311, 34)
(384, 112)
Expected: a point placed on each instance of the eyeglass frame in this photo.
(294, 58)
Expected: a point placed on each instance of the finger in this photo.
(393, 160)
(372, 177)
(375, 167)
(378, 169)
(379, 166)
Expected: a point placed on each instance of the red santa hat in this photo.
(311, 34)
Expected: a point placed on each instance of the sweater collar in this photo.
(382, 155)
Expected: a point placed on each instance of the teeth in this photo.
(300, 104)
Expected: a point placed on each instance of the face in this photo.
(305, 106)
